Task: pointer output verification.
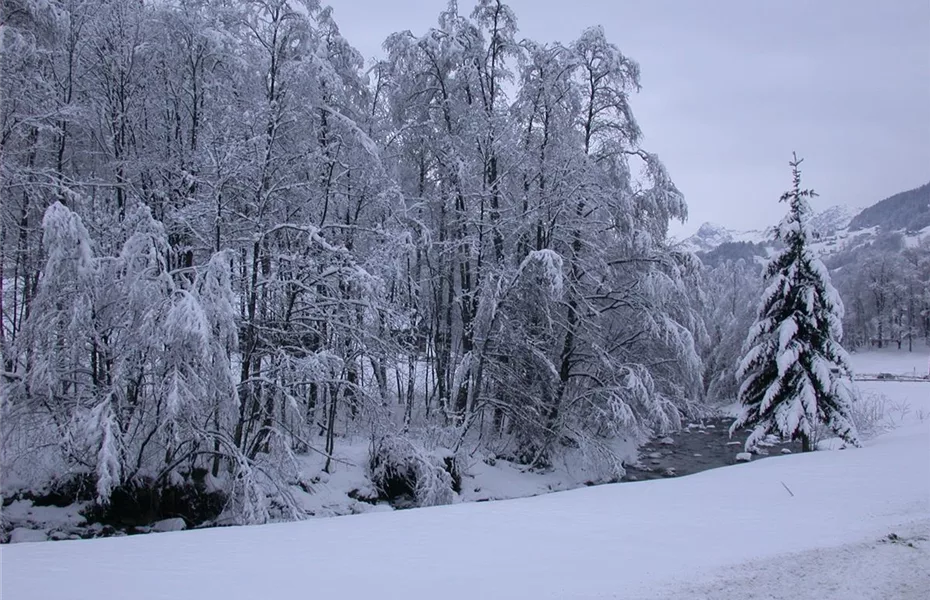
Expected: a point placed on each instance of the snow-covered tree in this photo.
(502, 194)
(729, 298)
(252, 246)
(885, 287)
(795, 374)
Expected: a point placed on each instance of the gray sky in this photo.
(732, 87)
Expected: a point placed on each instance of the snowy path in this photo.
(632, 540)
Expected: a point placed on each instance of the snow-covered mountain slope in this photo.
(823, 518)
(833, 219)
(826, 223)
(846, 240)
(711, 235)
(832, 227)
(909, 211)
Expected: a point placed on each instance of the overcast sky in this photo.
(732, 87)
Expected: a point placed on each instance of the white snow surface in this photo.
(736, 528)
(893, 361)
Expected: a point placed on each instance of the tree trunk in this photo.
(806, 445)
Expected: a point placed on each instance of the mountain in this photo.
(838, 229)
(833, 219)
(710, 235)
(908, 210)
(750, 252)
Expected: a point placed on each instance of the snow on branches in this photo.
(794, 371)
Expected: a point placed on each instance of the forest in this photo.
(228, 240)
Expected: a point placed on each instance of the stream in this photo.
(699, 447)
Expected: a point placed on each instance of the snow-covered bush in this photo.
(405, 473)
(873, 414)
(870, 412)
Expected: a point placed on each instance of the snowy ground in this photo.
(336, 493)
(893, 361)
(796, 526)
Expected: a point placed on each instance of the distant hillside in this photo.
(734, 251)
(711, 235)
(746, 244)
(902, 219)
(908, 210)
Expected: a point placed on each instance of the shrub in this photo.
(66, 490)
(872, 414)
(406, 475)
(144, 502)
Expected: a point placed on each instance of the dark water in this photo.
(701, 446)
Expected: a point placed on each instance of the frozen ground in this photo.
(795, 526)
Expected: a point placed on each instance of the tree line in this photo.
(227, 239)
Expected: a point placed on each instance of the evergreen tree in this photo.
(794, 370)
